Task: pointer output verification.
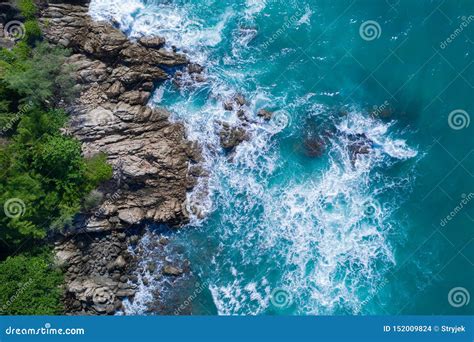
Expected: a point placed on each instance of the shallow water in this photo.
(288, 232)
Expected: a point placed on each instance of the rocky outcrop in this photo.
(232, 136)
(97, 272)
(150, 155)
(151, 159)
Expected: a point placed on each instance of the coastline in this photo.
(154, 165)
(264, 188)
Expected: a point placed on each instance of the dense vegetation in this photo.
(29, 285)
(43, 176)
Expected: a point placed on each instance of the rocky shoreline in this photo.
(154, 165)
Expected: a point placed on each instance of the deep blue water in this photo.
(338, 204)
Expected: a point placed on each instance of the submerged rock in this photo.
(228, 105)
(359, 144)
(314, 147)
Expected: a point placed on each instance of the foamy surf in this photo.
(319, 238)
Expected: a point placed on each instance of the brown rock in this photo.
(132, 215)
(194, 68)
(120, 262)
(231, 137)
(172, 271)
(149, 155)
(314, 147)
(152, 42)
(240, 100)
(265, 114)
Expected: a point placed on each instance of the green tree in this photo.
(46, 173)
(38, 75)
(29, 285)
(27, 8)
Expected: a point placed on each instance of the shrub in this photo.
(27, 8)
(97, 169)
(29, 285)
(32, 31)
(37, 75)
(46, 172)
(93, 199)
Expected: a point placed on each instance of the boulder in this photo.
(131, 216)
(240, 100)
(172, 271)
(265, 114)
(231, 137)
(152, 42)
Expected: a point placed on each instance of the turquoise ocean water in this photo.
(279, 230)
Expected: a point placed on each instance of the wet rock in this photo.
(198, 78)
(359, 144)
(314, 147)
(172, 271)
(194, 68)
(242, 115)
(134, 239)
(231, 137)
(151, 267)
(228, 105)
(240, 100)
(265, 114)
(164, 241)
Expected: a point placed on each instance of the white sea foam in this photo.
(314, 230)
(175, 23)
(254, 7)
(118, 11)
(306, 18)
(147, 283)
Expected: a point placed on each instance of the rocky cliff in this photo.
(152, 160)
